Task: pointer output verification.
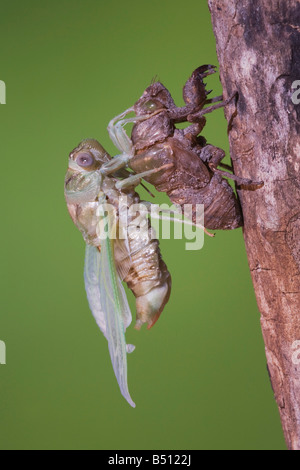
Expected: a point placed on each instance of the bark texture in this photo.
(258, 46)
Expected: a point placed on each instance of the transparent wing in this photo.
(92, 285)
(110, 308)
(122, 257)
(115, 309)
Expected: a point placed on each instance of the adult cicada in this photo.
(100, 201)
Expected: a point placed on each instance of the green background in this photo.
(199, 377)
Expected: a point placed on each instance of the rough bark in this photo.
(258, 46)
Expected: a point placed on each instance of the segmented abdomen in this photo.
(148, 276)
(221, 208)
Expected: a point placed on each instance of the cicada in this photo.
(193, 176)
(115, 250)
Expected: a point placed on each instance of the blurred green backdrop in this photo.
(199, 377)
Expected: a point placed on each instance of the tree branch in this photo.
(258, 45)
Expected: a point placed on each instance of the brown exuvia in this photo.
(192, 175)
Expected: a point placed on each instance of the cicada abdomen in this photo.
(147, 275)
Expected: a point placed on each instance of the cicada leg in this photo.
(135, 180)
(115, 164)
(121, 140)
(194, 117)
(192, 131)
(117, 133)
(213, 156)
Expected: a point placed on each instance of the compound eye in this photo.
(85, 160)
(150, 105)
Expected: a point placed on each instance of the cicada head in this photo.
(83, 181)
(154, 98)
(89, 155)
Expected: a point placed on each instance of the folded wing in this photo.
(109, 305)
